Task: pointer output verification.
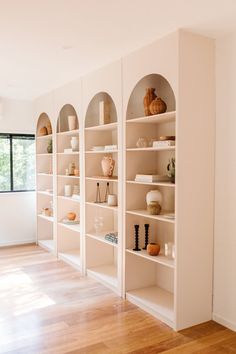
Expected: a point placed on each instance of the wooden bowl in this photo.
(153, 249)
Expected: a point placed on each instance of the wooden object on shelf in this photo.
(153, 249)
(148, 98)
(49, 128)
(157, 106)
(43, 131)
(136, 238)
(71, 216)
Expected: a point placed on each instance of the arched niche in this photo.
(163, 90)
(43, 122)
(63, 120)
(94, 110)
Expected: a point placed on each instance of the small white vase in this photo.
(74, 143)
(112, 199)
(67, 190)
(72, 122)
(154, 196)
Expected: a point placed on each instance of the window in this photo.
(17, 162)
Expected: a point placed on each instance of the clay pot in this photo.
(147, 100)
(157, 106)
(153, 249)
(154, 208)
(49, 128)
(43, 131)
(71, 216)
(108, 165)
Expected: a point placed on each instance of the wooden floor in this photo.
(47, 307)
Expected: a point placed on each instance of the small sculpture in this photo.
(98, 195)
(136, 229)
(171, 170)
(146, 226)
(49, 147)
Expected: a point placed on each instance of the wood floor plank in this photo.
(47, 307)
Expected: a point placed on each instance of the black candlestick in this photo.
(136, 229)
(146, 226)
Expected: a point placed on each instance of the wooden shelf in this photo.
(155, 119)
(160, 184)
(102, 152)
(110, 126)
(68, 132)
(168, 148)
(101, 237)
(156, 301)
(62, 197)
(75, 227)
(48, 218)
(102, 205)
(144, 213)
(44, 137)
(47, 245)
(45, 193)
(72, 257)
(158, 259)
(106, 274)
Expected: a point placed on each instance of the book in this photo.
(163, 143)
(151, 178)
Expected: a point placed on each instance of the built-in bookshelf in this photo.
(102, 218)
(68, 186)
(44, 183)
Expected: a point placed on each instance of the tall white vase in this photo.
(72, 122)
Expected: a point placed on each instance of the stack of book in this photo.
(112, 237)
(163, 143)
(152, 178)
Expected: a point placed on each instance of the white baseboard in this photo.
(17, 243)
(224, 322)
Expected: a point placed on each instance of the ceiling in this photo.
(46, 43)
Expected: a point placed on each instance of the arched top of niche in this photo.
(163, 89)
(101, 110)
(67, 119)
(44, 126)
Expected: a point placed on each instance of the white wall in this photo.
(17, 210)
(225, 184)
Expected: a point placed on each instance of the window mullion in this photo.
(11, 163)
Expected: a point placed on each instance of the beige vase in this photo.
(108, 165)
(148, 98)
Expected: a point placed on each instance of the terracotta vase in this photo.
(157, 106)
(49, 128)
(153, 249)
(147, 100)
(43, 131)
(108, 165)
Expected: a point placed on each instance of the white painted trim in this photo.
(17, 243)
(224, 322)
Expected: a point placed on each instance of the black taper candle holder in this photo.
(136, 228)
(146, 226)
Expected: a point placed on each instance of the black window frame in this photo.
(11, 136)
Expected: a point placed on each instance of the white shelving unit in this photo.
(44, 183)
(102, 256)
(153, 288)
(68, 234)
(178, 292)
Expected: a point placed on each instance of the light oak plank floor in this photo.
(48, 307)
